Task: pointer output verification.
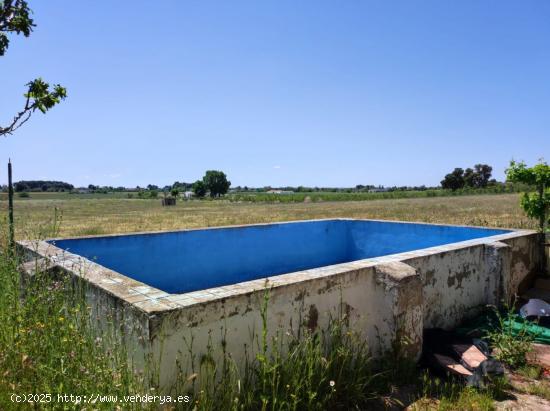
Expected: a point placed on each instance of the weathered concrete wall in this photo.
(524, 262)
(459, 281)
(382, 303)
(453, 285)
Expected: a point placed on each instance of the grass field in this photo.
(85, 215)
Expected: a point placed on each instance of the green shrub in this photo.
(510, 346)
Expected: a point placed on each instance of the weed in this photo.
(531, 371)
(510, 345)
(538, 388)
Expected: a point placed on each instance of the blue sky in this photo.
(317, 92)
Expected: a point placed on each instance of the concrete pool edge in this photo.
(386, 297)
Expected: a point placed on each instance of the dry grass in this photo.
(90, 216)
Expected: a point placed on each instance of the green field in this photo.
(91, 214)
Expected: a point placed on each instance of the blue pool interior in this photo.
(184, 261)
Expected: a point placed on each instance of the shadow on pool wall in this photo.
(388, 298)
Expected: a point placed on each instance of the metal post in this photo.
(10, 209)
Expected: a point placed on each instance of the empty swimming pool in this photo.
(208, 286)
(185, 261)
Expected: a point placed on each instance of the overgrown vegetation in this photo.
(510, 346)
(312, 370)
(47, 345)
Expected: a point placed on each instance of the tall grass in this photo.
(448, 395)
(327, 369)
(47, 345)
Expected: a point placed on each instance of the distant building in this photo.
(188, 194)
(279, 192)
(379, 190)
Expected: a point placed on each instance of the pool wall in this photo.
(387, 299)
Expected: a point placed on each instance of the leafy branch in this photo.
(536, 205)
(39, 96)
(15, 18)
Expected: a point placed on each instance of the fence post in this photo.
(10, 209)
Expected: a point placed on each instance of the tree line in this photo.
(41, 185)
(214, 183)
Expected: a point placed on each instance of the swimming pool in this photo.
(184, 261)
(208, 287)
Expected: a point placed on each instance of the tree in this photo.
(15, 19)
(454, 180)
(216, 182)
(469, 177)
(174, 192)
(536, 205)
(199, 188)
(482, 175)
